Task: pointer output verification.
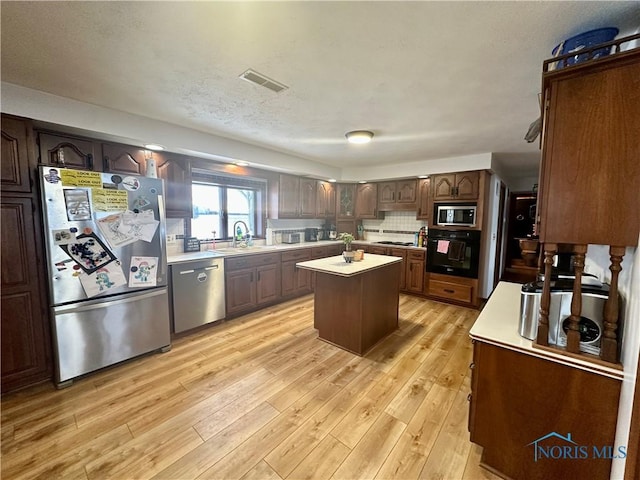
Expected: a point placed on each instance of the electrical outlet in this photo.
(171, 238)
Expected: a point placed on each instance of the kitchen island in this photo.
(355, 304)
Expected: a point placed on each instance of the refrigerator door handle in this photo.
(109, 301)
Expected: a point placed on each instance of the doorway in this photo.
(520, 223)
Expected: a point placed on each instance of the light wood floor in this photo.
(260, 397)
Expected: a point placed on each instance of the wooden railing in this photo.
(560, 62)
(609, 344)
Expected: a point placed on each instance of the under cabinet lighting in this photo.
(423, 176)
(362, 181)
(242, 164)
(332, 180)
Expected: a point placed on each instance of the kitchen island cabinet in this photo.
(355, 304)
(529, 405)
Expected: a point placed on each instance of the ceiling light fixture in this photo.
(359, 136)
(153, 146)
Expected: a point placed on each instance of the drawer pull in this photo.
(469, 398)
(472, 366)
(448, 290)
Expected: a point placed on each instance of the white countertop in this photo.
(337, 265)
(192, 256)
(236, 251)
(498, 323)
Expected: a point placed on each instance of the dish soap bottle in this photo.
(238, 233)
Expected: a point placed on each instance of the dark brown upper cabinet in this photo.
(176, 173)
(424, 199)
(68, 152)
(367, 200)
(17, 154)
(398, 195)
(124, 159)
(325, 200)
(456, 186)
(296, 197)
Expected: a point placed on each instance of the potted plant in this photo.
(347, 238)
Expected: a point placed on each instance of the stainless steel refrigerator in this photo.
(106, 257)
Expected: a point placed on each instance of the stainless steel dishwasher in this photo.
(197, 293)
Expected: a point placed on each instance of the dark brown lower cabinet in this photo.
(294, 280)
(415, 270)
(26, 347)
(537, 419)
(251, 282)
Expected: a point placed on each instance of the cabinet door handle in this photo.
(61, 156)
(448, 290)
(399, 196)
(258, 276)
(469, 398)
(472, 366)
(252, 276)
(90, 161)
(105, 163)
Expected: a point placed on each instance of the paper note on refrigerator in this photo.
(109, 228)
(143, 271)
(107, 200)
(103, 280)
(141, 226)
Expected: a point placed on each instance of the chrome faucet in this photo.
(235, 237)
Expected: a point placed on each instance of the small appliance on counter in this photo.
(290, 238)
(594, 296)
(311, 234)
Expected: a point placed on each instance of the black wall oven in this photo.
(453, 252)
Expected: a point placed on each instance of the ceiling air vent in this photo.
(259, 79)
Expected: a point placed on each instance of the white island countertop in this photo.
(498, 324)
(337, 265)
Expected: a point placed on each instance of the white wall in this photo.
(630, 291)
(488, 251)
(521, 184)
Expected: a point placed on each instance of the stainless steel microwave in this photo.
(456, 215)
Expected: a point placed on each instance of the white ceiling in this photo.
(432, 80)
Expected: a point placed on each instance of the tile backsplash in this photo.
(175, 236)
(395, 226)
